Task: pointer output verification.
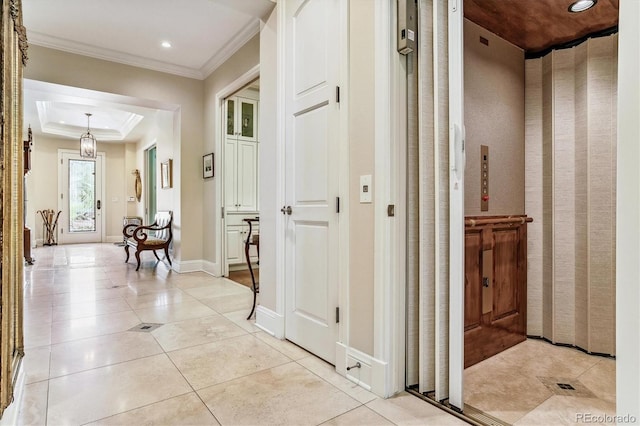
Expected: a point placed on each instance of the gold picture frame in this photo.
(166, 174)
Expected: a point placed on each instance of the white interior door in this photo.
(312, 133)
(81, 202)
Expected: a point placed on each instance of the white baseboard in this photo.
(39, 242)
(358, 375)
(187, 266)
(211, 268)
(380, 378)
(371, 375)
(114, 239)
(270, 322)
(341, 359)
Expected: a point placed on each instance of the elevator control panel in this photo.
(484, 178)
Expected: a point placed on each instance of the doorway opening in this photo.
(240, 171)
(538, 129)
(539, 346)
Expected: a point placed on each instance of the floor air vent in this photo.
(145, 327)
(566, 387)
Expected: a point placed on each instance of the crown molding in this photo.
(78, 48)
(236, 43)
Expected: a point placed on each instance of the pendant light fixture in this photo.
(88, 142)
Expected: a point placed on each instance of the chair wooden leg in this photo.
(156, 255)
(138, 259)
(126, 249)
(166, 253)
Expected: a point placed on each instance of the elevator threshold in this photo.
(470, 414)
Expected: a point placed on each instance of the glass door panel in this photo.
(231, 122)
(82, 195)
(152, 178)
(248, 119)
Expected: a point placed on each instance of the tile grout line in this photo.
(191, 386)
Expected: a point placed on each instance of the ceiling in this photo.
(206, 33)
(537, 25)
(203, 35)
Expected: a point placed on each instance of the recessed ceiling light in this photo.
(582, 5)
(166, 44)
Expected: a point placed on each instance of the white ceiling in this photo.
(203, 34)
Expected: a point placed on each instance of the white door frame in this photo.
(628, 210)
(456, 203)
(228, 90)
(390, 183)
(61, 202)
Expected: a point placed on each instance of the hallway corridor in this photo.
(199, 362)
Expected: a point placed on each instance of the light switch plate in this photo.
(366, 189)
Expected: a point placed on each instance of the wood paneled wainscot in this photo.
(495, 285)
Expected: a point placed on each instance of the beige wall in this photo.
(494, 116)
(571, 167)
(151, 88)
(42, 184)
(241, 62)
(361, 162)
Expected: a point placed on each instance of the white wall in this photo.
(628, 217)
(268, 160)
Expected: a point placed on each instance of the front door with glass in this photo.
(81, 204)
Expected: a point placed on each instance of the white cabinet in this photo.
(242, 118)
(241, 155)
(235, 244)
(241, 180)
(236, 236)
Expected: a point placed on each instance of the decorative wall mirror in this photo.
(138, 184)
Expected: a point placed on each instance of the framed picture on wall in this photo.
(207, 166)
(166, 179)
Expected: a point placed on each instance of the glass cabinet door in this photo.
(231, 118)
(248, 119)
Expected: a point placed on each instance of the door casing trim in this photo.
(221, 95)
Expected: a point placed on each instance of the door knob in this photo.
(286, 210)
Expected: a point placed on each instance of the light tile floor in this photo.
(205, 365)
(511, 385)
